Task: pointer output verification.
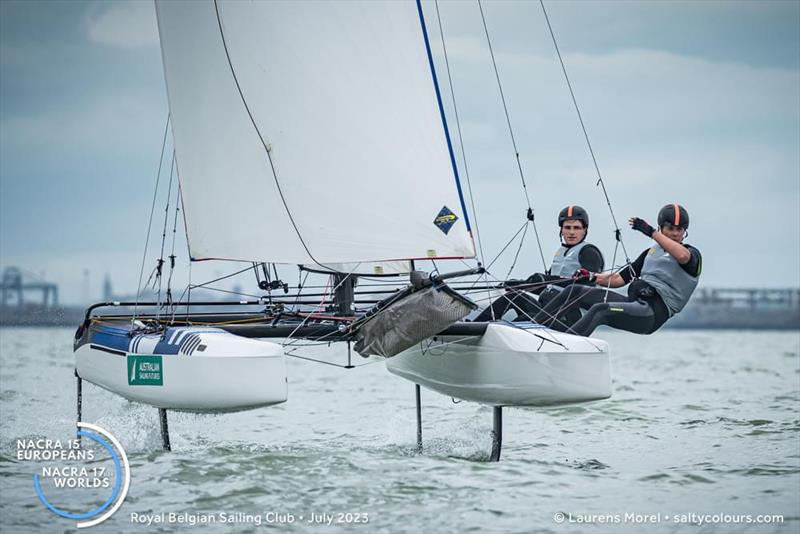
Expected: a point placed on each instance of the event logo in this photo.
(75, 472)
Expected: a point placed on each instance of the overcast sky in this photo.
(689, 102)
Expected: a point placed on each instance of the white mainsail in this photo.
(316, 137)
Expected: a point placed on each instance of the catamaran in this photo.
(314, 134)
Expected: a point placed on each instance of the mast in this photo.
(344, 293)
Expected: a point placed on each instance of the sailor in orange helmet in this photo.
(574, 254)
(662, 280)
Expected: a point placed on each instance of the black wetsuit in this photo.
(642, 312)
(526, 305)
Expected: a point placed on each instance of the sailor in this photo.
(662, 280)
(573, 255)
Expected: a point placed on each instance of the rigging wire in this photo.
(458, 130)
(189, 289)
(178, 204)
(300, 286)
(531, 217)
(150, 222)
(600, 182)
(522, 229)
(289, 339)
(516, 256)
(240, 271)
(553, 318)
(237, 293)
(613, 262)
(290, 354)
(497, 257)
(482, 257)
(522, 292)
(160, 261)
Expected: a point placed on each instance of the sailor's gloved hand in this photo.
(583, 274)
(640, 225)
(536, 278)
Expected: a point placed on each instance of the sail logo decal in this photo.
(445, 220)
(145, 370)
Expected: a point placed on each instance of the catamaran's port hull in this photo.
(510, 366)
(255, 377)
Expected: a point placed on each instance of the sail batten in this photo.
(328, 135)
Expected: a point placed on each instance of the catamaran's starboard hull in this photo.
(510, 365)
(231, 373)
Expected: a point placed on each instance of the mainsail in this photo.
(309, 132)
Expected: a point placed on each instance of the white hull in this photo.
(231, 374)
(510, 366)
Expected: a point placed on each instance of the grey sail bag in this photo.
(409, 317)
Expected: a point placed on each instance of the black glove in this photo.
(641, 225)
(583, 274)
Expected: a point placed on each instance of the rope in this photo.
(485, 276)
(221, 278)
(300, 286)
(332, 291)
(521, 228)
(229, 292)
(516, 256)
(150, 222)
(520, 291)
(205, 285)
(189, 292)
(160, 263)
(149, 278)
(326, 294)
(482, 257)
(306, 358)
(513, 139)
(263, 143)
(567, 303)
(178, 203)
(600, 181)
(613, 262)
(524, 294)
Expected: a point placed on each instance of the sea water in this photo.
(702, 435)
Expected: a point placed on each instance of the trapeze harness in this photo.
(662, 289)
(566, 261)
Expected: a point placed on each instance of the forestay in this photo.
(351, 164)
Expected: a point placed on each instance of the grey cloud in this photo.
(130, 24)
